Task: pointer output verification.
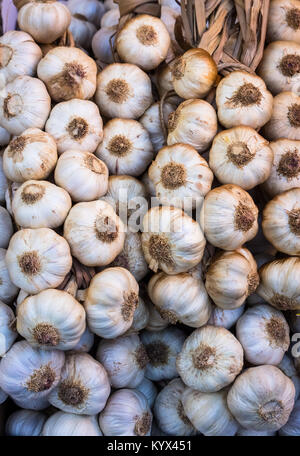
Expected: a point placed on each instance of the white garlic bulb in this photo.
(155, 322)
(4, 137)
(25, 423)
(19, 56)
(148, 184)
(140, 318)
(209, 413)
(285, 119)
(152, 122)
(162, 348)
(8, 333)
(210, 359)
(110, 4)
(8, 289)
(181, 176)
(82, 31)
(123, 90)
(51, 319)
(110, 18)
(243, 99)
(94, 232)
(194, 122)
(83, 175)
(85, 342)
(288, 368)
(229, 217)
(3, 180)
(243, 432)
(171, 240)
(75, 124)
(127, 413)
(264, 335)
(225, 317)
(24, 103)
(40, 204)
(292, 427)
(6, 227)
(126, 147)
(111, 300)
(284, 20)
(164, 81)
(231, 277)
(103, 42)
(124, 359)
(71, 425)
(32, 155)
(83, 387)
(4, 396)
(262, 398)
(149, 390)
(28, 374)
(38, 259)
(68, 73)
(91, 10)
(169, 412)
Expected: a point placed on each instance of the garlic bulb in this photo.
(152, 122)
(4, 137)
(144, 41)
(24, 103)
(28, 374)
(110, 4)
(148, 184)
(287, 367)
(6, 227)
(38, 259)
(40, 204)
(83, 387)
(91, 10)
(180, 297)
(4, 396)
(110, 18)
(149, 390)
(8, 333)
(285, 119)
(68, 73)
(155, 322)
(123, 90)
(225, 317)
(140, 318)
(162, 348)
(169, 412)
(194, 74)
(19, 56)
(164, 81)
(102, 44)
(85, 342)
(292, 427)
(280, 66)
(242, 432)
(262, 398)
(127, 413)
(240, 156)
(181, 176)
(83, 175)
(171, 240)
(25, 423)
(229, 217)
(284, 20)
(209, 413)
(71, 425)
(3, 180)
(279, 285)
(124, 360)
(194, 122)
(8, 289)
(111, 300)
(32, 155)
(75, 124)
(231, 278)
(264, 335)
(51, 319)
(82, 31)
(126, 147)
(210, 359)
(94, 232)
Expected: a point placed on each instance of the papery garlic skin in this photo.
(32, 155)
(209, 413)
(38, 259)
(24, 103)
(8, 289)
(169, 412)
(111, 300)
(262, 398)
(292, 427)
(85, 342)
(162, 348)
(71, 425)
(126, 147)
(83, 387)
(149, 390)
(9, 194)
(152, 122)
(6, 227)
(123, 90)
(155, 321)
(82, 175)
(25, 423)
(210, 359)
(283, 20)
(3, 181)
(75, 124)
(176, 173)
(164, 81)
(94, 232)
(91, 10)
(148, 184)
(110, 18)
(4, 137)
(40, 204)
(229, 217)
(287, 367)
(101, 44)
(51, 319)
(4, 396)
(82, 31)
(127, 413)
(140, 318)
(68, 73)
(284, 122)
(8, 333)
(243, 99)
(194, 122)
(242, 432)
(19, 56)
(225, 317)
(171, 240)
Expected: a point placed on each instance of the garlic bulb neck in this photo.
(72, 392)
(204, 357)
(290, 65)
(118, 90)
(143, 424)
(289, 165)
(41, 379)
(120, 146)
(246, 95)
(130, 303)
(244, 218)
(46, 334)
(293, 18)
(6, 54)
(158, 353)
(12, 105)
(147, 35)
(239, 154)
(294, 115)
(160, 249)
(173, 175)
(294, 221)
(78, 128)
(271, 411)
(30, 263)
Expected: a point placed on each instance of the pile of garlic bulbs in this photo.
(149, 228)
